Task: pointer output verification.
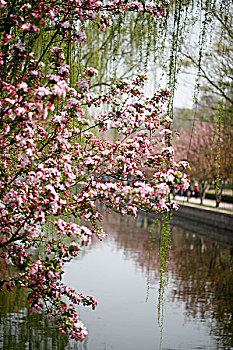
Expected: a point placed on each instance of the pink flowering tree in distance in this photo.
(201, 151)
(52, 162)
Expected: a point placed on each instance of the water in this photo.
(122, 273)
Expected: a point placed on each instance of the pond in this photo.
(137, 308)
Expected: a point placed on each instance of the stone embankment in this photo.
(206, 215)
(206, 219)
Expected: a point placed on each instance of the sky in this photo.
(183, 97)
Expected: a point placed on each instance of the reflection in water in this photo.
(203, 280)
(123, 273)
(20, 329)
(164, 252)
(162, 226)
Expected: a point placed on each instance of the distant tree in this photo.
(200, 146)
(213, 63)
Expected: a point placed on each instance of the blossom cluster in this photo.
(54, 167)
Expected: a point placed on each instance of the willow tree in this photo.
(214, 66)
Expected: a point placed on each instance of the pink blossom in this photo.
(65, 24)
(3, 3)
(26, 26)
(55, 164)
(43, 91)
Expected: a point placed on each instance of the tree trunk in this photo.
(218, 192)
(203, 189)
